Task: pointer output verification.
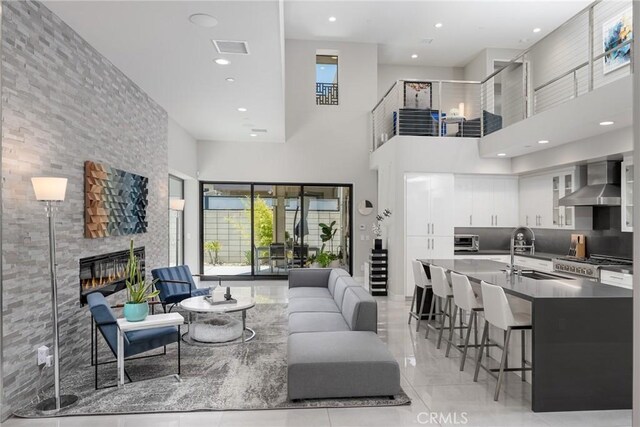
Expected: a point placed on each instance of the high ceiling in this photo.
(172, 59)
(402, 28)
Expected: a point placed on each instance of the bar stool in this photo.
(441, 291)
(466, 301)
(422, 282)
(498, 313)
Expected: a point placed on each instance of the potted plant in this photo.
(328, 232)
(139, 292)
(213, 248)
(324, 259)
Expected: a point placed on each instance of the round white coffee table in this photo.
(197, 306)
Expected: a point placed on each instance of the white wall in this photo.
(325, 144)
(405, 154)
(183, 163)
(388, 74)
(482, 64)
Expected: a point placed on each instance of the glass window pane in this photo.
(226, 222)
(326, 79)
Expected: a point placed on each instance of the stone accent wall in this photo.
(64, 103)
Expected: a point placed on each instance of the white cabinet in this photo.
(540, 202)
(534, 263)
(429, 202)
(497, 258)
(615, 278)
(486, 201)
(627, 195)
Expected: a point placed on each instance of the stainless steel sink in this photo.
(539, 275)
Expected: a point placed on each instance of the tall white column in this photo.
(636, 216)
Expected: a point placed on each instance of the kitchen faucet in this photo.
(532, 247)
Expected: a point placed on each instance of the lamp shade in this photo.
(48, 188)
(177, 204)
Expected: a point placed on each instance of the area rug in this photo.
(246, 376)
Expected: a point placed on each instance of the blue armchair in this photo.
(135, 342)
(176, 284)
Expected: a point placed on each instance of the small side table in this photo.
(450, 120)
(152, 321)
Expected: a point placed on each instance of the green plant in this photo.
(328, 232)
(247, 257)
(213, 248)
(138, 290)
(311, 259)
(262, 222)
(324, 259)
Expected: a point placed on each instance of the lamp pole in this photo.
(50, 190)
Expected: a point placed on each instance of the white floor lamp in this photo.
(177, 205)
(51, 190)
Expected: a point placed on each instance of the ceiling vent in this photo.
(259, 130)
(231, 47)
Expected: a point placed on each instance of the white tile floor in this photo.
(441, 395)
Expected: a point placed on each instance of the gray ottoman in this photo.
(340, 364)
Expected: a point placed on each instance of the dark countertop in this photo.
(529, 289)
(538, 255)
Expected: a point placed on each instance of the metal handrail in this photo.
(385, 95)
(584, 64)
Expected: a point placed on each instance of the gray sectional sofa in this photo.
(333, 348)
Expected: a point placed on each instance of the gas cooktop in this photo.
(588, 267)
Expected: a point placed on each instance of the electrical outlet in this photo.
(43, 353)
(49, 361)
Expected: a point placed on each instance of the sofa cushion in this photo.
(360, 310)
(340, 364)
(342, 284)
(333, 277)
(309, 277)
(302, 305)
(309, 293)
(316, 322)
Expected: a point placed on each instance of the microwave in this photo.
(466, 242)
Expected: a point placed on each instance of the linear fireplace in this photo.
(106, 273)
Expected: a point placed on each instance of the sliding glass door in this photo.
(263, 230)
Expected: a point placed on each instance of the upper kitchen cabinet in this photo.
(627, 195)
(540, 202)
(486, 201)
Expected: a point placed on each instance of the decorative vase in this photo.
(136, 312)
(377, 244)
(335, 263)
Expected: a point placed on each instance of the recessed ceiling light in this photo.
(253, 134)
(537, 30)
(414, 56)
(203, 20)
(606, 123)
(502, 154)
(543, 141)
(438, 25)
(334, 57)
(222, 61)
(242, 109)
(332, 19)
(230, 79)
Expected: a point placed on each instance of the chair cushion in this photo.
(169, 278)
(301, 305)
(100, 309)
(309, 293)
(333, 277)
(340, 364)
(316, 322)
(149, 339)
(360, 310)
(200, 292)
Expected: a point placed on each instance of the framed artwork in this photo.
(417, 95)
(615, 32)
(115, 201)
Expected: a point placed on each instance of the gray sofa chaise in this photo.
(333, 348)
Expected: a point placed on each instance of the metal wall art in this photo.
(115, 201)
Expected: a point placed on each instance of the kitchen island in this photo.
(582, 350)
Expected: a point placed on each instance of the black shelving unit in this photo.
(378, 272)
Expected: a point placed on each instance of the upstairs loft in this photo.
(556, 92)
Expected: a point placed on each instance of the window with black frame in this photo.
(265, 230)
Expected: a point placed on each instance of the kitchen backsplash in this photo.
(611, 241)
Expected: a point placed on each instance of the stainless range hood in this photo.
(602, 189)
